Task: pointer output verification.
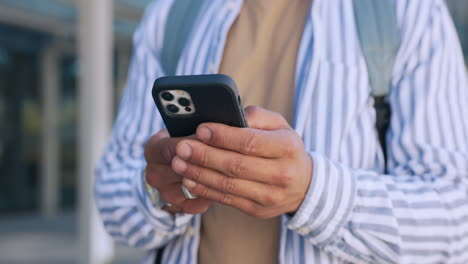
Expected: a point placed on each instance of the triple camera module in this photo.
(177, 102)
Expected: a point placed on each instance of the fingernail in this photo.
(204, 133)
(179, 165)
(184, 151)
(189, 183)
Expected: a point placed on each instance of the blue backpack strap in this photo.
(179, 24)
(379, 37)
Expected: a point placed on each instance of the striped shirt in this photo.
(354, 211)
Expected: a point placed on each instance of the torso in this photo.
(260, 55)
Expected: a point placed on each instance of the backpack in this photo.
(378, 34)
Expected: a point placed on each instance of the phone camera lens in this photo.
(184, 102)
(173, 109)
(167, 96)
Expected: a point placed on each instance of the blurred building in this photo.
(32, 32)
(42, 44)
(459, 10)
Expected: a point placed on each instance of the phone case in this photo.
(214, 97)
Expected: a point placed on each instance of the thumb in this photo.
(260, 118)
(161, 148)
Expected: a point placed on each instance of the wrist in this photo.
(153, 193)
(156, 199)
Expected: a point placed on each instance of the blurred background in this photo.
(53, 53)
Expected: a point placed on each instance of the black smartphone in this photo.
(185, 102)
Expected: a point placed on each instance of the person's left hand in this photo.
(262, 170)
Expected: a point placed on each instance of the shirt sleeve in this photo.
(418, 211)
(124, 205)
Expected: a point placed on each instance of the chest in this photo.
(333, 108)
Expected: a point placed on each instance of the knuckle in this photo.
(294, 144)
(203, 190)
(195, 173)
(204, 157)
(290, 150)
(276, 198)
(284, 180)
(228, 185)
(252, 209)
(227, 199)
(227, 139)
(251, 143)
(286, 175)
(236, 167)
(269, 199)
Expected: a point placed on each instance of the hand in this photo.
(263, 170)
(159, 152)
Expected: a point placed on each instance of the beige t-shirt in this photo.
(261, 56)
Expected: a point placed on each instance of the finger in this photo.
(248, 141)
(159, 176)
(160, 148)
(228, 199)
(230, 163)
(174, 195)
(163, 133)
(196, 206)
(258, 192)
(261, 118)
(172, 209)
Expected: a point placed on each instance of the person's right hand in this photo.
(159, 152)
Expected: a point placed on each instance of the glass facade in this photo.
(459, 10)
(22, 43)
(20, 118)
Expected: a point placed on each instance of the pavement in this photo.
(28, 239)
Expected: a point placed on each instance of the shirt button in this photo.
(303, 231)
(212, 68)
(231, 5)
(190, 231)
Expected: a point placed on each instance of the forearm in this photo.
(128, 213)
(363, 216)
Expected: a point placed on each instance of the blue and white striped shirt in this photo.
(416, 212)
